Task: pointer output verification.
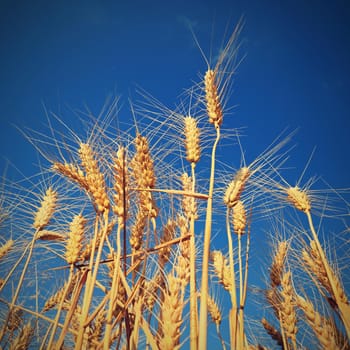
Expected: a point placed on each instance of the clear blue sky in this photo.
(296, 72)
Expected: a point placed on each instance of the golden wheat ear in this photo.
(45, 211)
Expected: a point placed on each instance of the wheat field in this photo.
(140, 237)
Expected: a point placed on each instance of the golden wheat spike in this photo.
(278, 262)
(121, 186)
(222, 269)
(47, 207)
(287, 307)
(212, 98)
(321, 326)
(236, 187)
(171, 315)
(94, 178)
(273, 332)
(299, 199)
(5, 248)
(75, 237)
(192, 134)
(239, 218)
(72, 172)
(23, 339)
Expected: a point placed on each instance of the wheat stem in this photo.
(232, 290)
(90, 285)
(193, 297)
(113, 291)
(202, 342)
(58, 314)
(19, 285)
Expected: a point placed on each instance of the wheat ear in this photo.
(72, 172)
(75, 237)
(278, 262)
(222, 269)
(5, 248)
(143, 171)
(301, 200)
(23, 339)
(273, 332)
(46, 209)
(192, 134)
(94, 178)
(236, 187)
(239, 218)
(287, 308)
(171, 315)
(321, 327)
(121, 186)
(212, 98)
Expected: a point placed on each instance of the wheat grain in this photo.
(23, 339)
(192, 134)
(239, 218)
(75, 238)
(171, 316)
(94, 178)
(278, 262)
(298, 198)
(72, 172)
(15, 319)
(47, 207)
(321, 327)
(287, 308)
(189, 205)
(136, 236)
(222, 269)
(273, 332)
(57, 297)
(214, 311)
(143, 171)
(212, 98)
(47, 235)
(121, 184)
(168, 234)
(274, 298)
(5, 248)
(236, 187)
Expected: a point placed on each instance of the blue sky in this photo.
(295, 74)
